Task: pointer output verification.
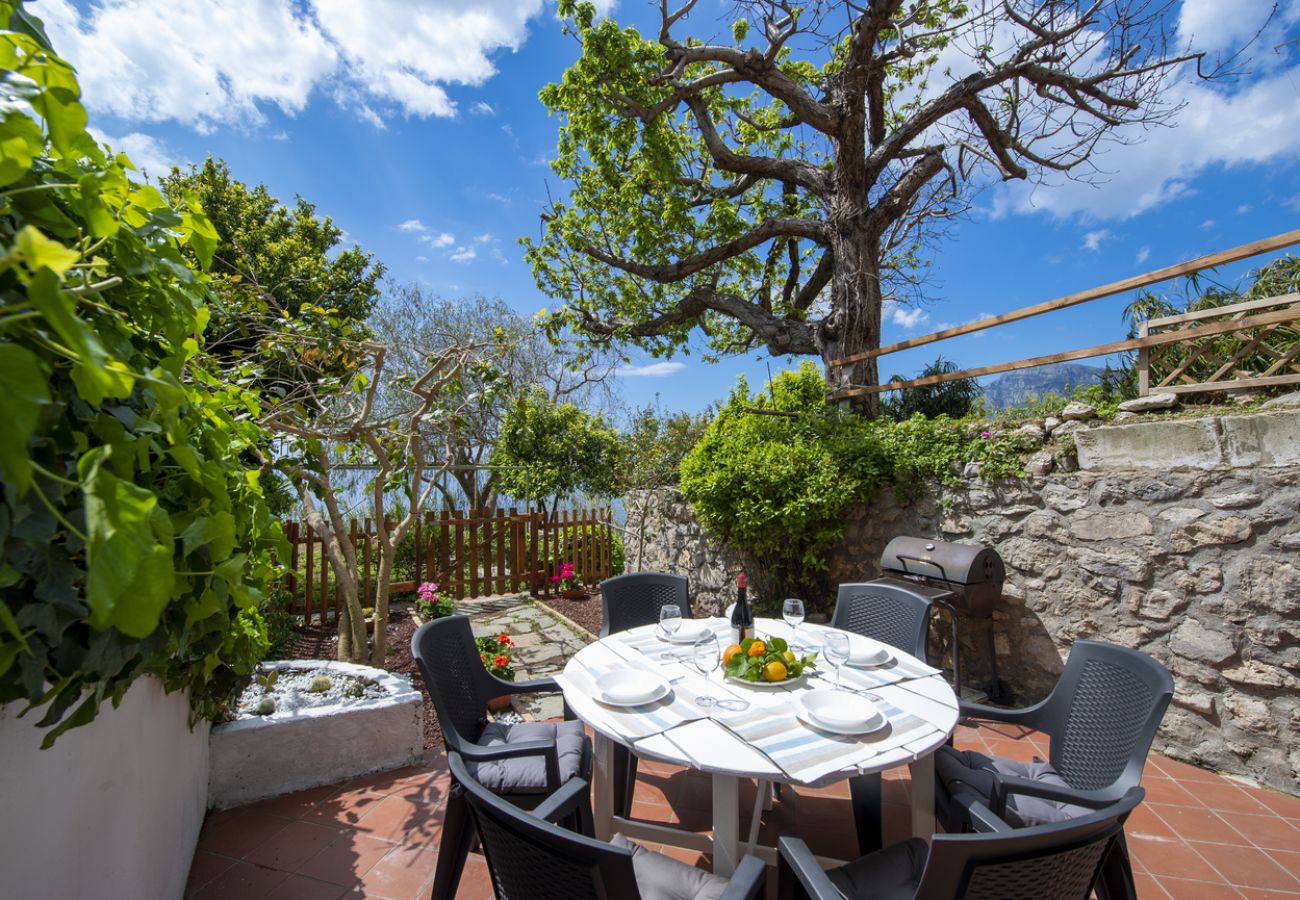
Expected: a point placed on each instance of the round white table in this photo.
(920, 704)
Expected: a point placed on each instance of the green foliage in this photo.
(497, 655)
(284, 291)
(775, 473)
(653, 447)
(133, 543)
(551, 450)
(955, 399)
(320, 684)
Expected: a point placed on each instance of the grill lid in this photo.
(964, 564)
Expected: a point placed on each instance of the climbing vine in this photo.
(133, 540)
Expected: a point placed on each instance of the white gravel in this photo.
(291, 695)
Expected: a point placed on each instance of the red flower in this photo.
(483, 658)
(501, 661)
(504, 638)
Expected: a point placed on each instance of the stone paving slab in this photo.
(544, 644)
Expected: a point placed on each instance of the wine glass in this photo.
(670, 619)
(706, 654)
(835, 648)
(793, 613)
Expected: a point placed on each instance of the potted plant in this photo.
(568, 583)
(496, 654)
(431, 604)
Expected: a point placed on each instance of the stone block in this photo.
(1236, 500)
(1114, 563)
(1149, 403)
(1211, 532)
(1103, 526)
(1193, 444)
(1262, 440)
(1078, 412)
(1194, 641)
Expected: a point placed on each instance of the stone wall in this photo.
(1197, 567)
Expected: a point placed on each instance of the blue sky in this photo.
(416, 126)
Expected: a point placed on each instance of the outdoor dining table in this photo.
(766, 741)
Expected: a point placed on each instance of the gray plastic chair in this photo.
(893, 615)
(1101, 718)
(530, 858)
(630, 601)
(1062, 861)
(525, 763)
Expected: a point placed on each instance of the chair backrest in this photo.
(531, 859)
(455, 677)
(889, 613)
(1060, 861)
(1103, 714)
(630, 601)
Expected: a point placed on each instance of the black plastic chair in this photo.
(1101, 718)
(893, 615)
(630, 601)
(1062, 861)
(523, 763)
(530, 858)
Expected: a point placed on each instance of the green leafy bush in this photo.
(133, 542)
(775, 473)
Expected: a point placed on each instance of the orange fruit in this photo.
(774, 671)
(758, 648)
(729, 653)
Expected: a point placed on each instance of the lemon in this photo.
(774, 671)
(729, 653)
(788, 657)
(758, 648)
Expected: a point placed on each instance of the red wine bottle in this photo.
(742, 617)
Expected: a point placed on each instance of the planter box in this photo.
(256, 758)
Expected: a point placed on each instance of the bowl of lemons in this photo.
(766, 663)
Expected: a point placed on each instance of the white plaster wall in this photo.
(112, 810)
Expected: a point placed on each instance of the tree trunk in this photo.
(855, 325)
(384, 577)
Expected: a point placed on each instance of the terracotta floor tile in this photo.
(1247, 866)
(242, 835)
(1165, 790)
(1259, 894)
(1145, 822)
(346, 859)
(292, 846)
(1173, 858)
(1190, 823)
(1269, 832)
(1226, 796)
(1179, 770)
(1186, 889)
(475, 882)
(299, 887)
(295, 805)
(346, 808)
(397, 819)
(403, 871)
(1289, 860)
(1148, 888)
(1282, 804)
(652, 791)
(242, 881)
(204, 867)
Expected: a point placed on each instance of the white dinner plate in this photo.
(687, 633)
(770, 685)
(865, 654)
(839, 712)
(630, 687)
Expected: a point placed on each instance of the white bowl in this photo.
(688, 632)
(866, 652)
(628, 686)
(841, 710)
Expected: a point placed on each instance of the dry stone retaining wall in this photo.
(1198, 567)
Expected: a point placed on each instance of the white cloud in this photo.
(1243, 209)
(413, 225)
(438, 241)
(483, 239)
(482, 109)
(280, 135)
(463, 255)
(1208, 223)
(1092, 240)
(151, 156)
(1143, 255)
(498, 198)
(650, 370)
(212, 63)
(1215, 26)
(906, 318)
(422, 259)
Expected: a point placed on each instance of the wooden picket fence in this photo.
(474, 553)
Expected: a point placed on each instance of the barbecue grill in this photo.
(964, 577)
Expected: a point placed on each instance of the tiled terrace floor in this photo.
(1198, 835)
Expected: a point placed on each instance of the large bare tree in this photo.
(772, 188)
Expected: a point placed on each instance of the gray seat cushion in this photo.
(967, 773)
(889, 874)
(527, 774)
(660, 877)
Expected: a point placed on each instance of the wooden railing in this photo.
(1276, 325)
(468, 554)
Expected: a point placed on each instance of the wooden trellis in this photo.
(1226, 348)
